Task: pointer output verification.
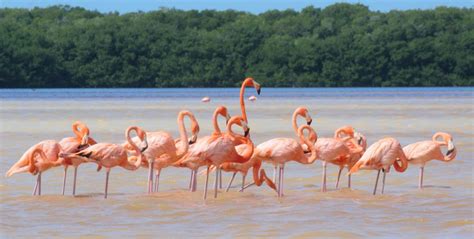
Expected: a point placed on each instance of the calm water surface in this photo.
(445, 208)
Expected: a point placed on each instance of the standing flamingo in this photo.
(193, 165)
(164, 151)
(218, 149)
(381, 156)
(279, 151)
(349, 160)
(254, 162)
(111, 155)
(332, 149)
(74, 145)
(420, 153)
(37, 159)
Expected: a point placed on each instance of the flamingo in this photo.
(73, 145)
(111, 155)
(164, 151)
(37, 159)
(254, 162)
(279, 151)
(349, 160)
(218, 149)
(332, 149)
(252, 98)
(194, 166)
(420, 153)
(381, 156)
(205, 99)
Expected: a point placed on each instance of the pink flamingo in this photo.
(349, 160)
(218, 149)
(420, 153)
(111, 155)
(194, 165)
(332, 149)
(164, 151)
(37, 159)
(73, 145)
(254, 162)
(279, 151)
(381, 156)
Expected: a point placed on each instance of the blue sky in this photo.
(254, 6)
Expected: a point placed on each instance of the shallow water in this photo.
(445, 208)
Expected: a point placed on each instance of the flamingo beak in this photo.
(450, 147)
(247, 132)
(227, 118)
(309, 121)
(258, 90)
(193, 139)
(145, 141)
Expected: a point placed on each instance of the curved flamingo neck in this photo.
(247, 154)
(32, 164)
(294, 119)
(75, 130)
(183, 135)
(438, 142)
(134, 146)
(247, 82)
(308, 143)
(215, 122)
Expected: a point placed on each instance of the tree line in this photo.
(341, 45)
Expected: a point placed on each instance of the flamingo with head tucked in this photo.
(332, 149)
(381, 156)
(163, 151)
(420, 153)
(194, 165)
(254, 161)
(279, 151)
(111, 155)
(73, 145)
(37, 159)
(352, 158)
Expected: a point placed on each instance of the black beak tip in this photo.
(247, 133)
(449, 152)
(258, 91)
(309, 122)
(191, 141)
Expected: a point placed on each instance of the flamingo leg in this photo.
(230, 182)
(248, 185)
(376, 182)
(191, 181)
(243, 183)
(275, 173)
(383, 180)
(74, 182)
(39, 186)
(195, 180)
(216, 182)
(280, 181)
(282, 167)
(338, 177)
(220, 178)
(150, 177)
(35, 190)
(323, 189)
(64, 180)
(207, 180)
(349, 179)
(157, 179)
(106, 182)
(420, 183)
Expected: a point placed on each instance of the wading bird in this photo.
(279, 151)
(37, 159)
(342, 145)
(74, 145)
(195, 164)
(163, 151)
(420, 153)
(110, 155)
(381, 156)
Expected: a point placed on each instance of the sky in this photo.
(254, 6)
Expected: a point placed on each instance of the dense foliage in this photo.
(340, 45)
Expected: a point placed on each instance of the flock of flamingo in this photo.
(231, 152)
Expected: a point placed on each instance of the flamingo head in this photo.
(222, 110)
(142, 136)
(194, 132)
(249, 81)
(347, 130)
(361, 140)
(448, 140)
